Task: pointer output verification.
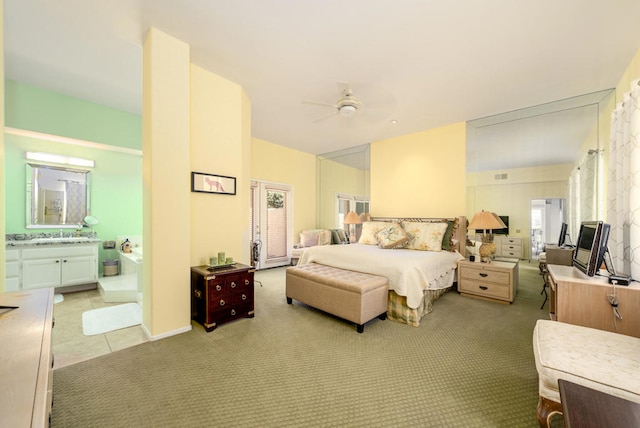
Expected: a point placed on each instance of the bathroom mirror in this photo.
(56, 196)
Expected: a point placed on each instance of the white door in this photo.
(271, 223)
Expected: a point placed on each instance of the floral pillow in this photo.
(370, 230)
(425, 236)
(392, 236)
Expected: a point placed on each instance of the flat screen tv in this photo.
(562, 241)
(505, 231)
(591, 246)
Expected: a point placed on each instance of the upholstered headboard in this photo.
(460, 233)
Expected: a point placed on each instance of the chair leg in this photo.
(546, 297)
(545, 410)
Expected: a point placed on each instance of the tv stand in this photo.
(582, 300)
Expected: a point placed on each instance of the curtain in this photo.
(623, 208)
(583, 191)
(76, 202)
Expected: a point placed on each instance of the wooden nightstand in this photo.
(495, 281)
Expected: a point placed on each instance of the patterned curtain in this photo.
(76, 202)
(583, 191)
(623, 211)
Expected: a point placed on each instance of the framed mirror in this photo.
(56, 196)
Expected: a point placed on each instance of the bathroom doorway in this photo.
(547, 216)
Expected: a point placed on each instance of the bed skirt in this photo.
(398, 310)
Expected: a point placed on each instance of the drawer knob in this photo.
(482, 287)
(484, 275)
(233, 311)
(218, 287)
(246, 282)
(233, 284)
(197, 293)
(244, 297)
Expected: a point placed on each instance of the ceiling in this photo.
(421, 63)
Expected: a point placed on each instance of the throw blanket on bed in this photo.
(409, 272)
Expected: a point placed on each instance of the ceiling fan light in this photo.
(347, 110)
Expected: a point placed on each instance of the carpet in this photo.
(103, 320)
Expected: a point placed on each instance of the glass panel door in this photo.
(271, 224)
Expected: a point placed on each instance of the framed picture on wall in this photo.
(211, 183)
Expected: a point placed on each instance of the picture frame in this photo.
(213, 183)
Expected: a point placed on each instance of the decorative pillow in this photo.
(369, 231)
(448, 238)
(425, 236)
(339, 237)
(309, 239)
(324, 237)
(392, 236)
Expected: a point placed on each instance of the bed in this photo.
(419, 271)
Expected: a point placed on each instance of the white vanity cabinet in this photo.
(59, 265)
(12, 272)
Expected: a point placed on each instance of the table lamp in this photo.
(485, 220)
(352, 219)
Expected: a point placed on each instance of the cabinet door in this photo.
(78, 270)
(41, 273)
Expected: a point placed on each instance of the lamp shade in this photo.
(365, 217)
(485, 220)
(352, 218)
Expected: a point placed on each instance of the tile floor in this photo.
(71, 346)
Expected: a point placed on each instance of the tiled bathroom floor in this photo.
(71, 346)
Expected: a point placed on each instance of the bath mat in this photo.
(103, 320)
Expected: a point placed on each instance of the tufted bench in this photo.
(598, 359)
(355, 296)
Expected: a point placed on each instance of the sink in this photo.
(58, 239)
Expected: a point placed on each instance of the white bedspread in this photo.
(409, 272)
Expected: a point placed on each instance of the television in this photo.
(562, 241)
(591, 246)
(505, 231)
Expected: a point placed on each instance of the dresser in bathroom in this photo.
(221, 295)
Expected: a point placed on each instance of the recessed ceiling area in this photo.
(437, 62)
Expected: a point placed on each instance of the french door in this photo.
(271, 224)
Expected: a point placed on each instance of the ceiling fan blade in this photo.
(319, 103)
(326, 116)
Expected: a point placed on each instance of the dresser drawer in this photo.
(491, 290)
(485, 275)
(512, 251)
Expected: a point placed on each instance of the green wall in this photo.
(116, 179)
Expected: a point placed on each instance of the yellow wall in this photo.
(279, 164)
(333, 178)
(166, 187)
(420, 175)
(631, 73)
(220, 134)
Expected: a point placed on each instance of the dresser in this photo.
(509, 246)
(582, 300)
(26, 360)
(221, 295)
(497, 280)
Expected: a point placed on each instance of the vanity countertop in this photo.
(71, 240)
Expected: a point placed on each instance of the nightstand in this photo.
(497, 280)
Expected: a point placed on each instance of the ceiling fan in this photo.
(349, 106)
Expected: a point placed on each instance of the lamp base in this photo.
(486, 250)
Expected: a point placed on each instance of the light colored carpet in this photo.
(469, 364)
(103, 320)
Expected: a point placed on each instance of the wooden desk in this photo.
(26, 360)
(584, 407)
(582, 300)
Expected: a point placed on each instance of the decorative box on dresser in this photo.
(497, 280)
(509, 246)
(221, 295)
(26, 359)
(582, 300)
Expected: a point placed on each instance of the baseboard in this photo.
(165, 335)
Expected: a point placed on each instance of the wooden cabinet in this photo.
(507, 246)
(497, 280)
(221, 295)
(26, 360)
(59, 266)
(582, 300)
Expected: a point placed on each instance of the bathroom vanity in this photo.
(66, 264)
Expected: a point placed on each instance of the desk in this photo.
(584, 407)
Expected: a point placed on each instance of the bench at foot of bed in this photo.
(355, 296)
